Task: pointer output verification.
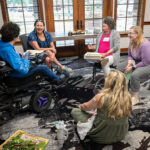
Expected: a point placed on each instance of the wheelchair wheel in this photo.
(40, 101)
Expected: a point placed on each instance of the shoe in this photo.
(134, 101)
(64, 68)
(66, 71)
(104, 62)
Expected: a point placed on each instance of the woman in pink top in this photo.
(108, 44)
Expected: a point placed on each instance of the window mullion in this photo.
(23, 16)
(126, 16)
(93, 13)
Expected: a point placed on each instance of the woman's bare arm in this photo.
(36, 46)
(93, 104)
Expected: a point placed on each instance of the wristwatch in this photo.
(133, 67)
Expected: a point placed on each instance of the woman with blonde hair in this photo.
(113, 106)
(138, 61)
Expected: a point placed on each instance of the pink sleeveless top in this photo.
(104, 45)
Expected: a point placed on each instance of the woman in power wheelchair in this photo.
(19, 78)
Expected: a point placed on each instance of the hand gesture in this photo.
(91, 47)
(103, 56)
(128, 69)
(53, 50)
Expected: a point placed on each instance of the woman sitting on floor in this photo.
(22, 67)
(113, 106)
(138, 61)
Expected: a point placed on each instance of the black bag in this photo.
(38, 58)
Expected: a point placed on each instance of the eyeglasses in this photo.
(130, 33)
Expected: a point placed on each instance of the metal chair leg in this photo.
(94, 72)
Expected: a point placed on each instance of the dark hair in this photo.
(9, 31)
(39, 20)
(110, 22)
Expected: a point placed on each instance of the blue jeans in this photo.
(45, 70)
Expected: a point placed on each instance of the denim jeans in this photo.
(45, 70)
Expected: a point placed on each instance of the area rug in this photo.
(80, 89)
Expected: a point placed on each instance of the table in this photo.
(65, 36)
(78, 49)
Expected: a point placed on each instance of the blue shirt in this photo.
(7, 53)
(42, 44)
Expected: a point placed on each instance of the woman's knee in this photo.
(75, 111)
(48, 60)
(135, 76)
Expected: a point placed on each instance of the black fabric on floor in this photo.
(69, 96)
(79, 90)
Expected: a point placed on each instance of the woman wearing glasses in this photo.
(108, 44)
(40, 39)
(138, 61)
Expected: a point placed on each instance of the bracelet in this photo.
(133, 67)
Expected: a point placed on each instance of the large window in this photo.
(93, 17)
(93, 14)
(63, 15)
(128, 14)
(63, 19)
(23, 12)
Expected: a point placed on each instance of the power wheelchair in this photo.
(34, 91)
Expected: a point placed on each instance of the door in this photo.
(73, 15)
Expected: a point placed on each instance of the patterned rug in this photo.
(81, 89)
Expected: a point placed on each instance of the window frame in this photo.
(109, 6)
(140, 19)
(5, 10)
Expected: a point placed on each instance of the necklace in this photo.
(106, 35)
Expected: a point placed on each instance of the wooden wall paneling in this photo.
(4, 11)
(143, 13)
(66, 51)
(81, 16)
(75, 13)
(115, 13)
(41, 9)
(146, 23)
(107, 8)
(49, 15)
(124, 50)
